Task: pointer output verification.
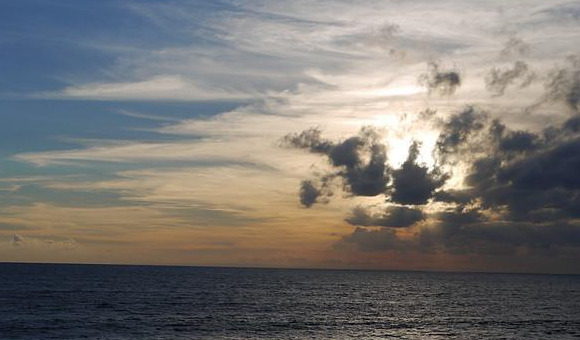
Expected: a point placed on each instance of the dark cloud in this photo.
(445, 82)
(530, 176)
(393, 217)
(556, 167)
(521, 195)
(569, 129)
(316, 190)
(466, 234)
(501, 238)
(367, 179)
(453, 196)
(571, 126)
(563, 84)
(347, 153)
(308, 193)
(308, 139)
(458, 129)
(519, 141)
(510, 143)
(366, 240)
(445, 235)
(413, 183)
(361, 161)
(497, 80)
(520, 192)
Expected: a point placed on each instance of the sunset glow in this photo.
(320, 134)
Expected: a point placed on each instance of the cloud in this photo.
(372, 240)
(503, 238)
(515, 47)
(518, 141)
(37, 242)
(497, 80)
(359, 160)
(249, 50)
(516, 174)
(519, 195)
(385, 34)
(383, 37)
(308, 139)
(170, 87)
(538, 172)
(11, 188)
(392, 217)
(363, 178)
(458, 129)
(308, 193)
(413, 183)
(446, 82)
(17, 240)
(563, 84)
(467, 236)
(147, 116)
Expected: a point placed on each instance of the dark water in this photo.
(142, 303)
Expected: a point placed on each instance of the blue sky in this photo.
(47, 45)
(153, 131)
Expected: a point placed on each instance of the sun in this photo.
(398, 149)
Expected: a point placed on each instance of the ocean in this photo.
(42, 301)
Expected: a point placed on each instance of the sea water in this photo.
(150, 302)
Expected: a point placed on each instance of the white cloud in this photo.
(266, 47)
(156, 88)
(11, 188)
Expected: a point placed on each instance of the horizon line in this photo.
(290, 268)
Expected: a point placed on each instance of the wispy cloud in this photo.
(156, 88)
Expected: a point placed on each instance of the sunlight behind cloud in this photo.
(390, 92)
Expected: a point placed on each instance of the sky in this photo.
(404, 135)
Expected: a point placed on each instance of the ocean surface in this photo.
(174, 303)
